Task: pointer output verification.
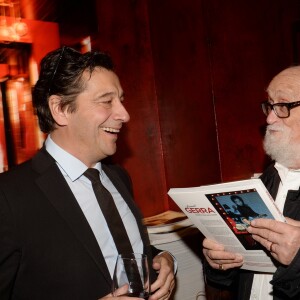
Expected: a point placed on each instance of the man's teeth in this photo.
(111, 129)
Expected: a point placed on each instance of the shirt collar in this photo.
(69, 164)
(283, 171)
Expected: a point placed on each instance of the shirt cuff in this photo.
(174, 260)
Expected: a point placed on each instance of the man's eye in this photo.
(108, 101)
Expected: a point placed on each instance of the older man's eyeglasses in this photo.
(281, 110)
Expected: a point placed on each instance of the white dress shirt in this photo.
(72, 170)
(290, 180)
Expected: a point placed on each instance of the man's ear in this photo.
(58, 114)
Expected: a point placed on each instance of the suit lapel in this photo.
(292, 205)
(57, 191)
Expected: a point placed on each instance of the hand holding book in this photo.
(219, 258)
(281, 239)
(223, 212)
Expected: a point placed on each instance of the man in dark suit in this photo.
(282, 179)
(54, 240)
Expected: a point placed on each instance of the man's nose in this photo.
(122, 113)
(272, 117)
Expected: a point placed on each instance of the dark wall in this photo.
(171, 134)
(124, 33)
(182, 66)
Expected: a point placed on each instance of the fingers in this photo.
(265, 231)
(224, 265)
(269, 224)
(120, 291)
(210, 244)
(292, 222)
(165, 291)
(117, 294)
(221, 259)
(165, 282)
(281, 239)
(271, 248)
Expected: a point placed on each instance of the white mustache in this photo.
(275, 128)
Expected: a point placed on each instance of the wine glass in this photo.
(131, 270)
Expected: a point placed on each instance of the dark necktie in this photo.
(114, 223)
(110, 212)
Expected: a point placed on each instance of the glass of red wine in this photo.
(131, 271)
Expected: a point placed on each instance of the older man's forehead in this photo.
(285, 86)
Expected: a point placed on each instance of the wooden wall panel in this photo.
(124, 33)
(184, 93)
(165, 73)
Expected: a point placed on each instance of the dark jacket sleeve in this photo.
(236, 280)
(219, 278)
(10, 253)
(286, 280)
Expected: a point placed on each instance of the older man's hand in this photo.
(218, 258)
(281, 239)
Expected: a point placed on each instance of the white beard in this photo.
(283, 149)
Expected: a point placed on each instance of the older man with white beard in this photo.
(282, 179)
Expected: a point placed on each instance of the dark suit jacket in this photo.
(47, 249)
(286, 280)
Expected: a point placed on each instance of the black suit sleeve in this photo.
(219, 278)
(10, 252)
(286, 280)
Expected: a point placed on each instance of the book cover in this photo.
(223, 211)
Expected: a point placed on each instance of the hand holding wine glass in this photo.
(119, 291)
(131, 276)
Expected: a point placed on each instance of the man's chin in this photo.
(272, 146)
(285, 153)
(271, 141)
(111, 151)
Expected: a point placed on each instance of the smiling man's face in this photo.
(91, 132)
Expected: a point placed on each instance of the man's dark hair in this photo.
(61, 73)
(234, 197)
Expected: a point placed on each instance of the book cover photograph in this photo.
(237, 209)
